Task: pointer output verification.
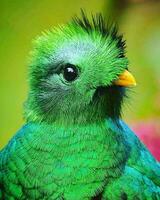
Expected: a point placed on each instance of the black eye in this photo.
(70, 72)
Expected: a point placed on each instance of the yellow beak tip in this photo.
(125, 79)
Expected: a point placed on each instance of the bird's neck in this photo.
(101, 107)
(106, 125)
(51, 136)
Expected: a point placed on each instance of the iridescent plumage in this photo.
(74, 145)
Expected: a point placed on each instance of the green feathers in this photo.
(97, 52)
(74, 145)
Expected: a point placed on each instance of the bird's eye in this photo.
(70, 72)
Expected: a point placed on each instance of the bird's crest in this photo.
(98, 23)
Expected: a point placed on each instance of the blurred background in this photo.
(139, 21)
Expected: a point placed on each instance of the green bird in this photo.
(74, 145)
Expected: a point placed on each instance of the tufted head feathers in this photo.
(72, 73)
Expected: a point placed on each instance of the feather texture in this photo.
(74, 146)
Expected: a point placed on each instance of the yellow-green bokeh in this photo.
(22, 21)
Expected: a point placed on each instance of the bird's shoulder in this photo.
(140, 158)
(12, 145)
(20, 143)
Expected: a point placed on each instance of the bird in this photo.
(74, 144)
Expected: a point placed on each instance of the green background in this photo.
(21, 21)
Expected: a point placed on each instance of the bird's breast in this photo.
(51, 159)
(74, 155)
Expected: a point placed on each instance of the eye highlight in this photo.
(70, 72)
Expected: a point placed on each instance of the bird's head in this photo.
(78, 73)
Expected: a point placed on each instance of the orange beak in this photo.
(125, 79)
